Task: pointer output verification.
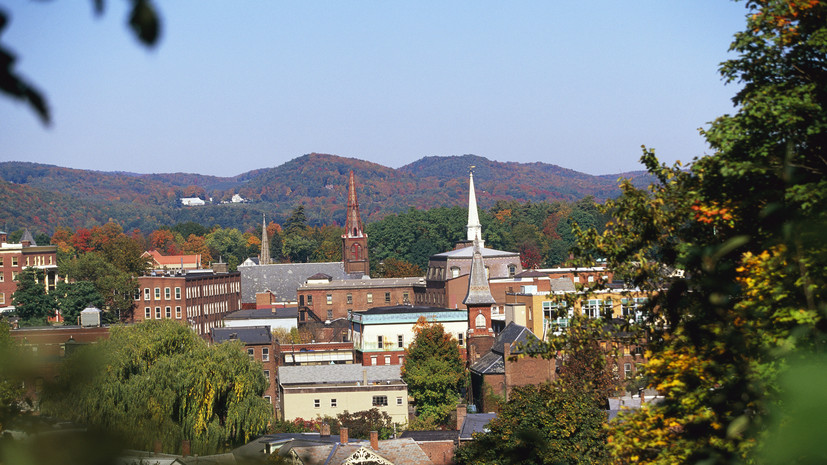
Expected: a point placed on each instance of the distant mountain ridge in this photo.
(45, 196)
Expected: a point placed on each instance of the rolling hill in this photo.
(45, 196)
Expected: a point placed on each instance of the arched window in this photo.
(355, 231)
(480, 321)
(355, 251)
(512, 270)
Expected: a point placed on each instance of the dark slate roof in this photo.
(426, 436)
(392, 309)
(475, 423)
(27, 236)
(282, 279)
(521, 340)
(261, 313)
(489, 364)
(245, 334)
(321, 276)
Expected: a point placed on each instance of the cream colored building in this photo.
(315, 391)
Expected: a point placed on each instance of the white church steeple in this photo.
(474, 227)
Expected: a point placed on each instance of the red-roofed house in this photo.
(173, 262)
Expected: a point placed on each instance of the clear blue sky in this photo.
(239, 85)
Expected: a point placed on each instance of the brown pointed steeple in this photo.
(264, 256)
(354, 240)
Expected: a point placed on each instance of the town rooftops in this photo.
(362, 283)
(245, 334)
(282, 279)
(340, 374)
(407, 314)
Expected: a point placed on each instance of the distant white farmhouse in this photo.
(191, 201)
(237, 199)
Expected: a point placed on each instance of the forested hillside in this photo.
(46, 196)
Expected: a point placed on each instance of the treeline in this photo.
(399, 245)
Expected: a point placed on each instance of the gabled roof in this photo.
(338, 374)
(520, 340)
(402, 451)
(531, 274)
(245, 334)
(282, 279)
(475, 423)
(173, 260)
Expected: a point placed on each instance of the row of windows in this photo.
(211, 308)
(349, 298)
(167, 293)
(39, 260)
(377, 401)
(208, 290)
(167, 313)
(265, 356)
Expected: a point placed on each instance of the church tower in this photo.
(354, 240)
(264, 255)
(479, 301)
(473, 228)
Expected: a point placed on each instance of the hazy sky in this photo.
(239, 85)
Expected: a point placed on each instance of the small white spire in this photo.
(474, 227)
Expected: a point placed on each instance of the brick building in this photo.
(198, 298)
(329, 299)
(14, 258)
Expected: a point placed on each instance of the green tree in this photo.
(394, 268)
(72, 298)
(434, 371)
(229, 245)
(745, 228)
(558, 422)
(159, 381)
(11, 369)
(30, 300)
(543, 424)
(360, 424)
(116, 287)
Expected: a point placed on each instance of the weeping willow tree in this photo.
(158, 381)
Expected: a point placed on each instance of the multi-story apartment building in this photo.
(381, 335)
(318, 391)
(198, 298)
(329, 299)
(14, 258)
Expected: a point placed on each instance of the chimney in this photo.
(462, 412)
(343, 435)
(374, 440)
(364, 377)
(325, 430)
(156, 447)
(185, 447)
